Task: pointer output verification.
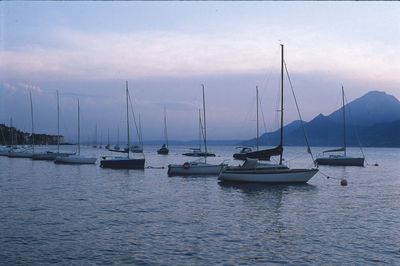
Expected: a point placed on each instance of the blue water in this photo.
(82, 215)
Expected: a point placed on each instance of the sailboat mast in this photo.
(127, 116)
(11, 133)
(344, 123)
(108, 137)
(79, 130)
(258, 133)
(140, 133)
(58, 123)
(33, 134)
(200, 129)
(165, 126)
(205, 124)
(281, 143)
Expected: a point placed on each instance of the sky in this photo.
(166, 50)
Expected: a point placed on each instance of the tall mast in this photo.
(118, 136)
(140, 133)
(127, 116)
(344, 123)
(108, 137)
(79, 130)
(11, 133)
(281, 143)
(58, 123)
(165, 126)
(33, 135)
(200, 129)
(258, 134)
(95, 135)
(205, 124)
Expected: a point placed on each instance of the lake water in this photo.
(82, 215)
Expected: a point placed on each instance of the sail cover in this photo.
(335, 150)
(260, 154)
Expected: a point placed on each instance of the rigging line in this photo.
(298, 111)
(329, 177)
(354, 128)
(134, 118)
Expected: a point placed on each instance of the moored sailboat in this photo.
(76, 159)
(25, 153)
(51, 155)
(253, 171)
(164, 148)
(124, 162)
(197, 152)
(197, 167)
(337, 159)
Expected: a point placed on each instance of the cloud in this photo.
(102, 56)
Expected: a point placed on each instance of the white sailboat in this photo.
(197, 152)
(51, 155)
(253, 171)
(25, 153)
(338, 159)
(76, 159)
(197, 167)
(124, 162)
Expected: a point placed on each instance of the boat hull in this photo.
(49, 156)
(44, 156)
(199, 154)
(344, 161)
(272, 176)
(74, 160)
(190, 169)
(4, 153)
(123, 163)
(20, 154)
(163, 151)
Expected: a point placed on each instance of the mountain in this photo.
(367, 123)
(367, 110)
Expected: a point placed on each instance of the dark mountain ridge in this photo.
(371, 120)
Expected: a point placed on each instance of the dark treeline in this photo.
(11, 135)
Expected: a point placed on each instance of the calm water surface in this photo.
(82, 215)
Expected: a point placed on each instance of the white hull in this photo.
(75, 160)
(194, 168)
(21, 154)
(267, 175)
(4, 152)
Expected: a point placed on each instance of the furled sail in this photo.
(335, 150)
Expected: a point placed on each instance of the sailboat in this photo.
(108, 139)
(197, 167)
(95, 137)
(337, 159)
(50, 155)
(197, 152)
(164, 148)
(25, 153)
(76, 159)
(264, 155)
(124, 162)
(253, 171)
